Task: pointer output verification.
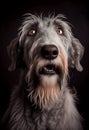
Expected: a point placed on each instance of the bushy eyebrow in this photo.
(26, 25)
(34, 25)
(58, 24)
(63, 25)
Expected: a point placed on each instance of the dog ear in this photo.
(15, 53)
(76, 53)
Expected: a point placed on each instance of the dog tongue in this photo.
(45, 68)
(49, 68)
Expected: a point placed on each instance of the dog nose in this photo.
(49, 52)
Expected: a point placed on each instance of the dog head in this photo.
(46, 48)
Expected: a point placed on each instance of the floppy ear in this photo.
(75, 54)
(16, 54)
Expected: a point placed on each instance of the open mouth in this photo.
(49, 69)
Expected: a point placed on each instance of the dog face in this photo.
(46, 47)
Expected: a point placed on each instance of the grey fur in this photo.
(29, 109)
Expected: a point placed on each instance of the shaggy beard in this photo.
(43, 91)
(44, 97)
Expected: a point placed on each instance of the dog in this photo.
(44, 51)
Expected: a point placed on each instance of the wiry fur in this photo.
(43, 102)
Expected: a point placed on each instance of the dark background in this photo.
(10, 19)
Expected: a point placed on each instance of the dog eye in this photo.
(59, 30)
(32, 32)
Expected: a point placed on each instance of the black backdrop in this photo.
(10, 18)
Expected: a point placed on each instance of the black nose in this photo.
(49, 52)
